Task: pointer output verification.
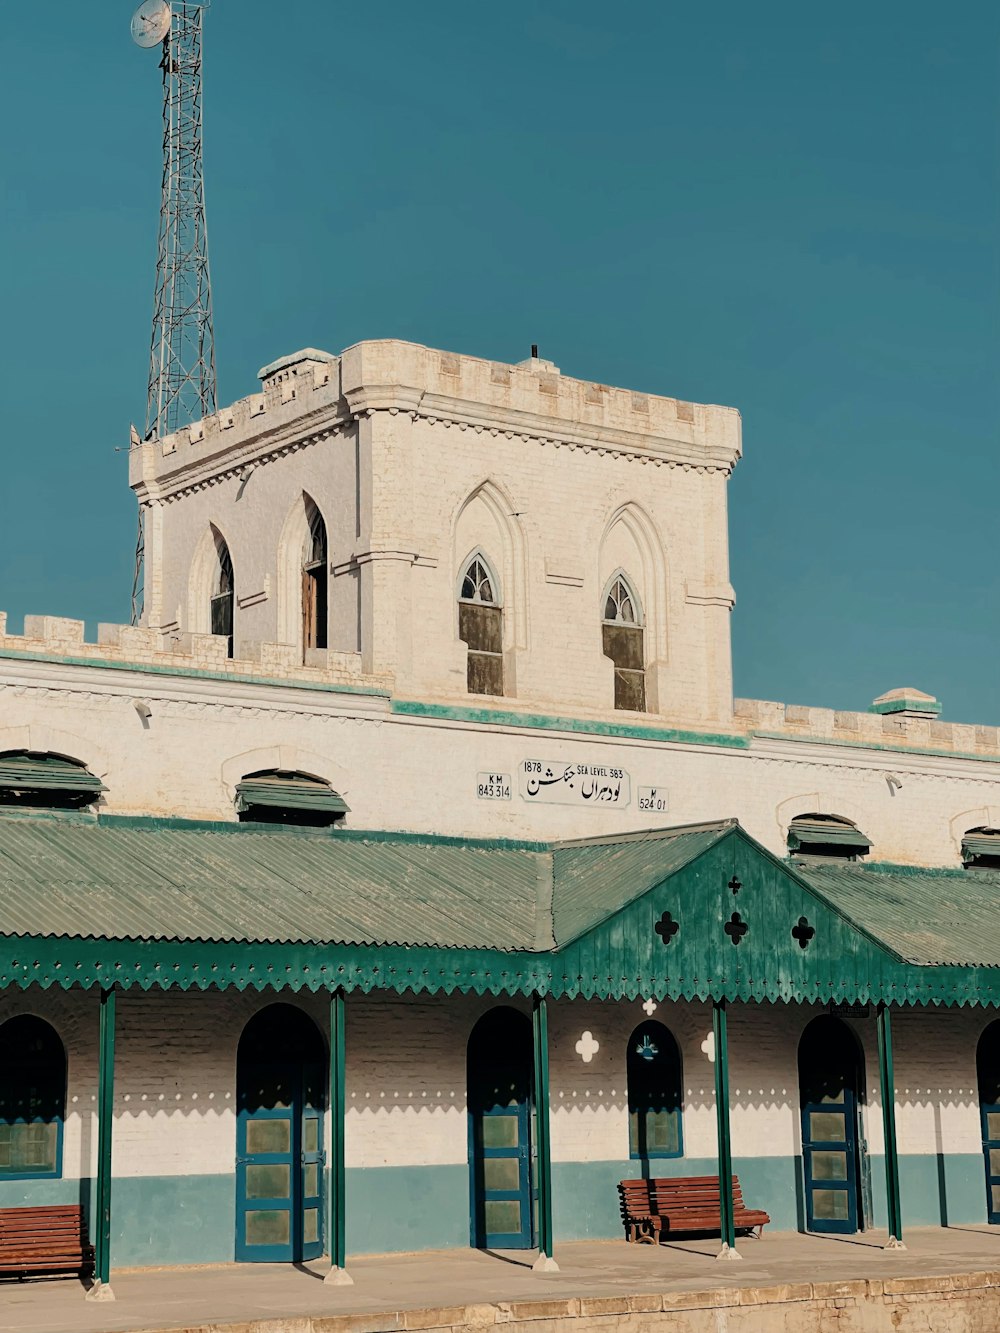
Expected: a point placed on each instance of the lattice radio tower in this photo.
(182, 384)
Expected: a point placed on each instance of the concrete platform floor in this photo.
(217, 1296)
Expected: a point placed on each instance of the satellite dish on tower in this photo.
(151, 23)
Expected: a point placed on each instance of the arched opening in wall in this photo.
(279, 796)
(981, 849)
(480, 625)
(501, 1192)
(988, 1073)
(653, 1069)
(223, 594)
(622, 641)
(46, 781)
(315, 583)
(831, 1083)
(280, 1099)
(825, 838)
(32, 1099)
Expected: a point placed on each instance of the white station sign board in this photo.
(558, 783)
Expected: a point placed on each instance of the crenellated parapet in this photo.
(139, 646)
(905, 727)
(310, 395)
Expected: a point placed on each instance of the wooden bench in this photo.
(651, 1208)
(44, 1240)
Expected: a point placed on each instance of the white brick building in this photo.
(432, 579)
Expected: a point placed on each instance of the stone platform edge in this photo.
(640, 1312)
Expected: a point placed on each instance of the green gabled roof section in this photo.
(641, 915)
(594, 878)
(928, 917)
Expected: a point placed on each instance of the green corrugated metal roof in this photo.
(63, 879)
(94, 881)
(928, 917)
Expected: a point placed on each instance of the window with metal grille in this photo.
(653, 1068)
(224, 595)
(32, 1098)
(315, 584)
(826, 836)
(480, 626)
(622, 635)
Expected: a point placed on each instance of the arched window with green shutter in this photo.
(32, 1098)
(655, 1099)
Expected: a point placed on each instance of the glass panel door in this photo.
(504, 1147)
(281, 1084)
(990, 1112)
(500, 1132)
(312, 1163)
(828, 1082)
(265, 1152)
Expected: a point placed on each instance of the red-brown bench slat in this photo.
(51, 1238)
(681, 1203)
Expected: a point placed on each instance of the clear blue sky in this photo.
(788, 208)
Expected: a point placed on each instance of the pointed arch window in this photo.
(653, 1069)
(480, 625)
(32, 1098)
(315, 583)
(223, 594)
(622, 636)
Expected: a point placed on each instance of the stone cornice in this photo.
(309, 400)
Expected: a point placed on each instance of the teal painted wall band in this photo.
(579, 726)
(192, 1219)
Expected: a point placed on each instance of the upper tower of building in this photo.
(467, 527)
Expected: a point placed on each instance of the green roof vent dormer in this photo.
(827, 836)
(46, 781)
(282, 797)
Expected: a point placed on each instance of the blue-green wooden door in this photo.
(828, 1093)
(988, 1070)
(279, 1139)
(502, 1206)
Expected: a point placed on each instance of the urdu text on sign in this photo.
(574, 784)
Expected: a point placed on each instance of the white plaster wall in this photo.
(175, 1077)
(419, 774)
(251, 517)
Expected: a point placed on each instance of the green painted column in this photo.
(726, 1223)
(338, 1275)
(543, 1156)
(101, 1290)
(887, 1080)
